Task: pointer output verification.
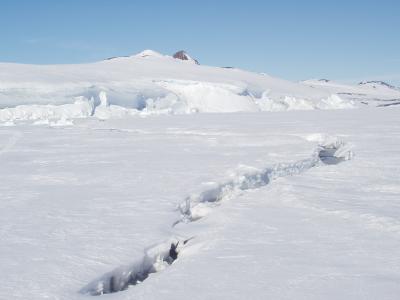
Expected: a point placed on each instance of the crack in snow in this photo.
(329, 152)
(196, 206)
(154, 260)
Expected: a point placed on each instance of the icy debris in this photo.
(103, 98)
(61, 122)
(81, 108)
(292, 103)
(164, 97)
(112, 111)
(335, 102)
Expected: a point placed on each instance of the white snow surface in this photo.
(103, 198)
(373, 93)
(146, 83)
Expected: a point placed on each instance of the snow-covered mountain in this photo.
(375, 93)
(286, 205)
(146, 83)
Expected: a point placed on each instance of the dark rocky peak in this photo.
(182, 55)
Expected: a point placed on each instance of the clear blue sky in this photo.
(345, 40)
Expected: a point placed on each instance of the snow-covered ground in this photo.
(127, 178)
(84, 207)
(373, 93)
(146, 83)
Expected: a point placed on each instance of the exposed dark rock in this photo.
(375, 83)
(114, 57)
(182, 55)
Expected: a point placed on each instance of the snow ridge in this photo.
(170, 97)
(159, 257)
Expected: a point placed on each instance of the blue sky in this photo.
(342, 40)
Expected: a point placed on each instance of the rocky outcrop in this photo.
(376, 83)
(182, 55)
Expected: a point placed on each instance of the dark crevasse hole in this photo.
(327, 156)
(120, 279)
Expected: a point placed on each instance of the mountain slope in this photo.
(375, 93)
(148, 82)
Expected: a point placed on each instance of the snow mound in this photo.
(209, 97)
(149, 53)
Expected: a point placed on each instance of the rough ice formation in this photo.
(331, 150)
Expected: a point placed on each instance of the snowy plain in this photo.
(104, 166)
(80, 201)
